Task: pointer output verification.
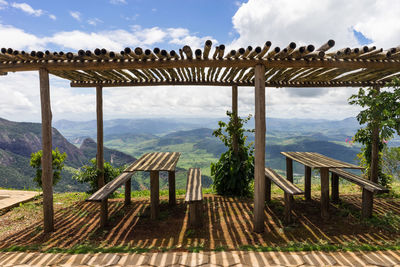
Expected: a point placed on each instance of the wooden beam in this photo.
(109, 64)
(259, 161)
(128, 192)
(295, 84)
(100, 145)
(47, 170)
(235, 144)
(335, 188)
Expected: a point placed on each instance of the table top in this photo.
(316, 160)
(155, 161)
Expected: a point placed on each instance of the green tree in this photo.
(57, 165)
(234, 171)
(89, 173)
(381, 111)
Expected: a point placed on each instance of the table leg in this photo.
(171, 185)
(154, 194)
(128, 192)
(289, 172)
(335, 188)
(325, 193)
(307, 182)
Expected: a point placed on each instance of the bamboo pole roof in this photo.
(291, 66)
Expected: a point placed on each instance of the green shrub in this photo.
(234, 171)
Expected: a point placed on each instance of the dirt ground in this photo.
(227, 224)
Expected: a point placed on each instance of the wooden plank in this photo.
(307, 183)
(325, 193)
(259, 159)
(100, 145)
(367, 184)
(47, 170)
(193, 185)
(155, 161)
(316, 160)
(154, 195)
(283, 183)
(171, 187)
(110, 187)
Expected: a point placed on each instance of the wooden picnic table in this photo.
(155, 162)
(315, 160)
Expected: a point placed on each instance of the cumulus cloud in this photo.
(76, 15)
(314, 22)
(19, 39)
(28, 9)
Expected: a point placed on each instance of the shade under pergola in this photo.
(260, 67)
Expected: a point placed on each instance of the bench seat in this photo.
(288, 188)
(194, 197)
(369, 188)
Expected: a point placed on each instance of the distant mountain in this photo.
(18, 140)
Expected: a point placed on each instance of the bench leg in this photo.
(288, 208)
(195, 214)
(335, 188)
(325, 193)
(367, 204)
(171, 186)
(103, 213)
(128, 192)
(307, 183)
(154, 194)
(267, 189)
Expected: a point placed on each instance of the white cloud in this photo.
(3, 4)
(118, 2)
(76, 15)
(95, 21)
(53, 17)
(314, 22)
(19, 39)
(28, 9)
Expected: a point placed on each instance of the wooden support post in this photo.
(128, 192)
(288, 208)
(47, 159)
(259, 166)
(335, 188)
(171, 187)
(235, 144)
(307, 183)
(367, 204)
(100, 147)
(267, 189)
(103, 213)
(154, 195)
(324, 193)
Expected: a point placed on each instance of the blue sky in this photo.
(115, 24)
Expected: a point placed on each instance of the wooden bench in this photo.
(102, 194)
(288, 187)
(369, 188)
(194, 197)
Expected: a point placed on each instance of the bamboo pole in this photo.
(47, 171)
(221, 51)
(265, 49)
(328, 45)
(259, 177)
(188, 51)
(207, 48)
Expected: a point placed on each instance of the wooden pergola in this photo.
(260, 67)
